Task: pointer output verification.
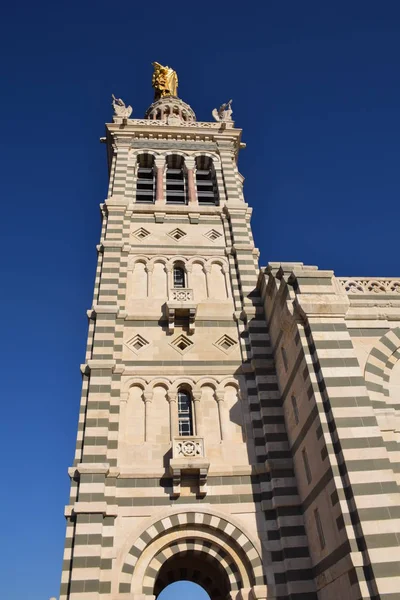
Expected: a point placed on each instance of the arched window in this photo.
(206, 182)
(176, 180)
(185, 418)
(145, 183)
(179, 277)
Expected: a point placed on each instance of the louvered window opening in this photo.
(185, 417)
(145, 183)
(206, 188)
(176, 186)
(207, 192)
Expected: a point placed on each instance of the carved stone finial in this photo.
(224, 113)
(120, 108)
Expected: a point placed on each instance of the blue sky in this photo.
(316, 89)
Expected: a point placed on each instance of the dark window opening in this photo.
(176, 180)
(145, 181)
(185, 418)
(179, 277)
(206, 183)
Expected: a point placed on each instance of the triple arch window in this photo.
(176, 180)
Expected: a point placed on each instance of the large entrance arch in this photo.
(194, 546)
(198, 567)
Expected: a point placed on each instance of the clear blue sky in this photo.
(316, 89)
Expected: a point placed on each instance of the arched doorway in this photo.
(198, 567)
(183, 590)
(198, 546)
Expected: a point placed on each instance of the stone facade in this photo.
(238, 427)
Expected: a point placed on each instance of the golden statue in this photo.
(164, 81)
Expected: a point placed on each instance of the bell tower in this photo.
(182, 466)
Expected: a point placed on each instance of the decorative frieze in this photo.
(186, 125)
(383, 285)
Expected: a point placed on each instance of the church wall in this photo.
(354, 454)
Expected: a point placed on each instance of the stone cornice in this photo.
(128, 131)
(164, 209)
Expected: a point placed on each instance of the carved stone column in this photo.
(188, 269)
(168, 270)
(225, 272)
(191, 180)
(148, 398)
(149, 270)
(220, 398)
(207, 271)
(160, 168)
(197, 413)
(172, 398)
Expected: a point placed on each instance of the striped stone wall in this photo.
(113, 501)
(347, 487)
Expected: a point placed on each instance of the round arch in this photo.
(131, 381)
(210, 381)
(140, 258)
(203, 532)
(380, 362)
(217, 261)
(178, 258)
(214, 157)
(229, 381)
(160, 382)
(176, 153)
(159, 259)
(196, 260)
(182, 382)
(199, 561)
(135, 153)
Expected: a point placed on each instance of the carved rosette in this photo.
(189, 448)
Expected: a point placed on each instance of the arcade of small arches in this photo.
(198, 546)
(174, 178)
(169, 108)
(185, 399)
(158, 276)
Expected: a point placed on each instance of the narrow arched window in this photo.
(176, 180)
(145, 181)
(206, 182)
(179, 277)
(185, 417)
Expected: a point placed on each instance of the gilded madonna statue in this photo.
(164, 81)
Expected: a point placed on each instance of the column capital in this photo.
(172, 396)
(219, 396)
(148, 396)
(159, 162)
(190, 163)
(197, 396)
